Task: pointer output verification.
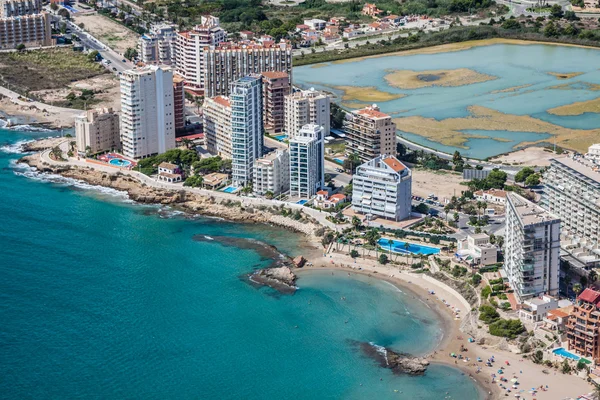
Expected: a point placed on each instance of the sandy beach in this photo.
(445, 302)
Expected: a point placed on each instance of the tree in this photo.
(532, 180)
(383, 259)
(496, 179)
(565, 367)
(194, 181)
(63, 12)
(20, 47)
(476, 279)
(523, 174)
(130, 53)
(269, 195)
(57, 153)
(356, 223)
(550, 30)
(422, 208)
(53, 6)
(509, 328)
(592, 276)
(556, 11)
(372, 236)
(511, 23)
(92, 55)
(537, 357)
(390, 244)
(456, 217)
(337, 116)
(354, 254)
(577, 288)
(488, 314)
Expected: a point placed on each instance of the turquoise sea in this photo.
(524, 67)
(104, 299)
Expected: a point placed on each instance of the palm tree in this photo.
(390, 243)
(577, 288)
(479, 207)
(447, 209)
(356, 222)
(593, 276)
(187, 143)
(408, 253)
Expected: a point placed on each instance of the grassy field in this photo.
(45, 69)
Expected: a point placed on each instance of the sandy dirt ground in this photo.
(109, 32)
(27, 114)
(106, 87)
(442, 184)
(407, 79)
(531, 156)
(446, 302)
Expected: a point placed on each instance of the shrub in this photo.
(488, 314)
(508, 328)
(486, 291)
(476, 279)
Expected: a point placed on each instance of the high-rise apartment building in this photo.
(158, 45)
(572, 191)
(272, 173)
(217, 126)
(246, 127)
(307, 162)
(190, 48)
(276, 85)
(179, 102)
(369, 133)
(32, 30)
(583, 326)
(147, 111)
(97, 130)
(306, 107)
(227, 62)
(593, 153)
(16, 8)
(382, 187)
(532, 248)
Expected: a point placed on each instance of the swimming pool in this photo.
(281, 138)
(119, 162)
(302, 202)
(564, 353)
(230, 189)
(400, 247)
(70, 8)
(339, 161)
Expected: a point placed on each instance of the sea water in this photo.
(514, 67)
(106, 299)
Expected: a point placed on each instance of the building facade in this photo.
(147, 111)
(16, 8)
(272, 173)
(307, 161)
(593, 153)
(369, 133)
(276, 85)
(532, 248)
(32, 30)
(306, 107)
(158, 45)
(179, 102)
(246, 128)
(190, 47)
(227, 62)
(572, 191)
(217, 126)
(476, 249)
(382, 187)
(583, 326)
(97, 131)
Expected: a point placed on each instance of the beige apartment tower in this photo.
(276, 85)
(16, 8)
(97, 131)
(370, 133)
(217, 126)
(306, 107)
(32, 30)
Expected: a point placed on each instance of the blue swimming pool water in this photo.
(281, 138)
(230, 189)
(339, 161)
(301, 202)
(119, 162)
(564, 353)
(70, 8)
(399, 247)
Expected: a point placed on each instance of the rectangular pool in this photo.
(302, 202)
(564, 353)
(401, 247)
(230, 189)
(281, 138)
(339, 161)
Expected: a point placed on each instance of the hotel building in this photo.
(572, 191)
(583, 326)
(382, 187)
(97, 130)
(307, 161)
(32, 30)
(369, 133)
(272, 173)
(16, 8)
(306, 107)
(217, 126)
(158, 45)
(190, 48)
(147, 111)
(276, 85)
(226, 62)
(246, 127)
(532, 248)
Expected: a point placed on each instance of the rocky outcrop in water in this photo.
(281, 279)
(399, 363)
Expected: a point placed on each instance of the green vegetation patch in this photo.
(45, 69)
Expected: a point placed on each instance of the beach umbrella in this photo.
(514, 380)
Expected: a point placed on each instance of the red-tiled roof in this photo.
(323, 192)
(372, 113)
(222, 100)
(190, 137)
(274, 74)
(589, 295)
(337, 197)
(394, 164)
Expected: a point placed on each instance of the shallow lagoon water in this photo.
(521, 69)
(106, 299)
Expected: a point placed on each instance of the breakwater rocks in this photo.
(281, 279)
(230, 208)
(399, 363)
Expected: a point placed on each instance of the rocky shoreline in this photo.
(399, 363)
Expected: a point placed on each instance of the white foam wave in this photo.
(15, 148)
(381, 350)
(32, 173)
(28, 128)
(208, 238)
